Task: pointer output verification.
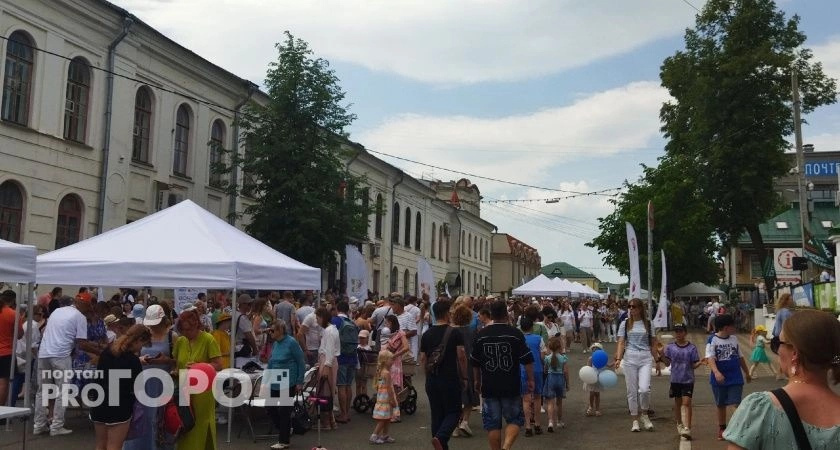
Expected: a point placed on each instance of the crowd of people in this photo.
(508, 358)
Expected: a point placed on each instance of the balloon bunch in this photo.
(597, 374)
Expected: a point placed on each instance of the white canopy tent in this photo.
(17, 265)
(698, 289)
(541, 285)
(181, 246)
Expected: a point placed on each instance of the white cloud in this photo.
(828, 53)
(527, 148)
(434, 41)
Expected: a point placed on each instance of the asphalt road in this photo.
(612, 430)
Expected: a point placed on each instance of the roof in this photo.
(774, 233)
(565, 270)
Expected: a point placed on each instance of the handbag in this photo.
(790, 409)
(138, 425)
(301, 421)
(245, 351)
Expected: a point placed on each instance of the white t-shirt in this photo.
(243, 326)
(66, 324)
(304, 311)
(585, 317)
(313, 332)
(568, 320)
(377, 319)
(330, 345)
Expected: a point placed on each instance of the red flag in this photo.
(650, 215)
(455, 201)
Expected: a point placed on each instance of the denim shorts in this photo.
(346, 373)
(555, 386)
(493, 410)
(538, 383)
(727, 395)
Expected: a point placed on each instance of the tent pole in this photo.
(15, 337)
(30, 301)
(234, 323)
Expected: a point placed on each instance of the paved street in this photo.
(612, 430)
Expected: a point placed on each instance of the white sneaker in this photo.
(646, 423)
(685, 433)
(465, 428)
(456, 432)
(635, 428)
(39, 430)
(60, 432)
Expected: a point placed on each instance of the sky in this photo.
(559, 94)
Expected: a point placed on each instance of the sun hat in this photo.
(760, 328)
(222, 317)
(110, 319)
(364, 334)
(137, 312)
(154, 315)
(595, 346)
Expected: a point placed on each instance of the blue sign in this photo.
(821, 169)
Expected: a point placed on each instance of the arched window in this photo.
(182, 141)
(69, 226)
(76, 100)
(11, 211)
(446, 245)
(434, 234)
(469, 244)
(480, 249)
(440, 243)
(469, 283)
(379, 214)
(463, 234)
(407, 239)
(395, 226)
(17, 81)
(475, 246)
(463, 281)
(394, 275)
(416, 285)
(217, 147)
(417, 224)
(406, 279)
(142, 125)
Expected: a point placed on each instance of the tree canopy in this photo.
(306, 203)
(726, 126)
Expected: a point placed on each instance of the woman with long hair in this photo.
(461, 319)
(637, 352)
(156, 354)
(112, 416)
(809, 353)
(197, 346)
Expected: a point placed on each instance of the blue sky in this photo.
(561, 94)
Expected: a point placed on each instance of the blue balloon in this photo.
(599, 359)
(607, 378)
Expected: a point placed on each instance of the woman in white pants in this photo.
(637, 352)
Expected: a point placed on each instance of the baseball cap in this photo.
(680, 327)
(244, 299)
(364, 334)
(154, 315)
(84, 296)
(110, 319)
(137, 312)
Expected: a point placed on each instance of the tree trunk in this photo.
(758, 244)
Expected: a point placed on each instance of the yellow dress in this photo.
(222, 338)
(202, 349)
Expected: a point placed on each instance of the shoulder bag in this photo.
(793, 416)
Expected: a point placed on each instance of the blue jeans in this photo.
(445, 406)
(494, 409)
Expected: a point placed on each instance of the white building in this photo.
(83, 151)
(104, 120)
(414, 218)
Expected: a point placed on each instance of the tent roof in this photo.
(540, 285)
(181, 246)
(697, 289)
(17, 262)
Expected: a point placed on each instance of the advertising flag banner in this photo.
(661, 318)
(426, 278)
(356, 273)
(635, 276)
(816, 251)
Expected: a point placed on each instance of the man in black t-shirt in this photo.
(444, 385)
(498, 351)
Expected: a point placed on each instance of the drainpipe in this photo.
(393, 200)
(234, 173)
(109, 106)
(458, 249)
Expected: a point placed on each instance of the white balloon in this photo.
(588, 375)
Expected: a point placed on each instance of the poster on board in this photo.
(804, 295)
(186, 296)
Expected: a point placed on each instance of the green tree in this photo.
(681, 228)
(307, 204)
(731, 108)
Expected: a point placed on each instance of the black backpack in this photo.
(348, 334)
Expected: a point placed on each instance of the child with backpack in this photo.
(348, 337)
(683, 358)
(556, 382)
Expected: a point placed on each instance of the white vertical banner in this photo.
(661, 319)
(356, 274)
(426, 278)
(635, 276)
